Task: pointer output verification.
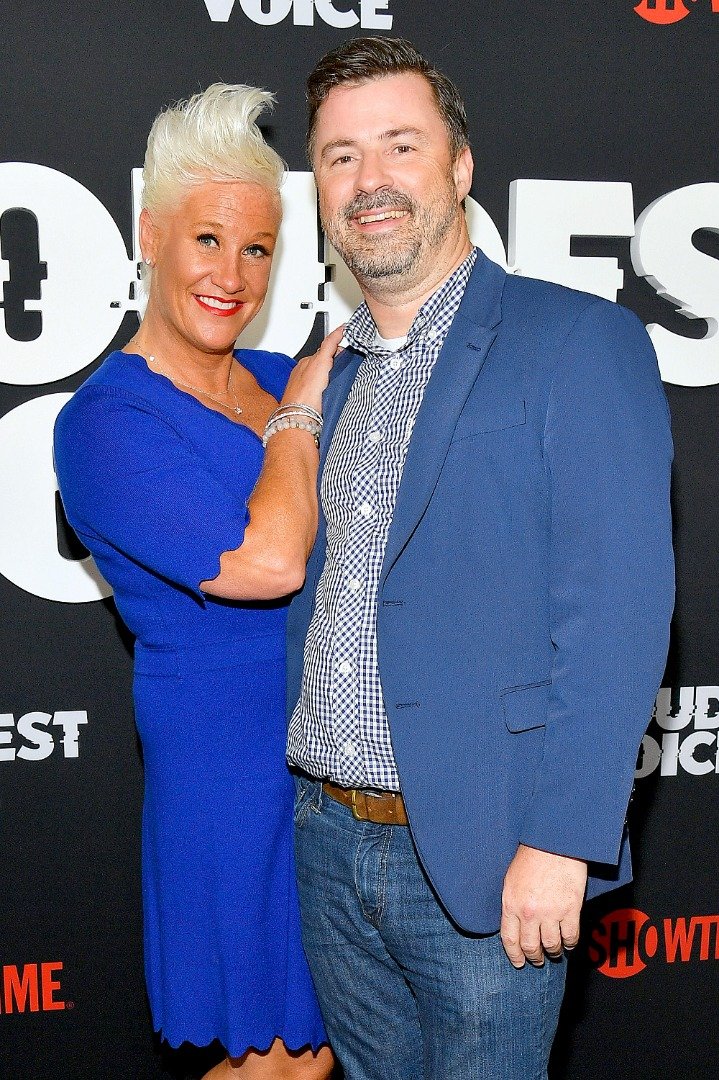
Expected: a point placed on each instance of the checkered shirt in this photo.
(339, 729)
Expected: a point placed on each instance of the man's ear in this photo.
(462, 172)
(148, 237)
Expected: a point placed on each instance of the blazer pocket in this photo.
(525, 707)
(502, 415)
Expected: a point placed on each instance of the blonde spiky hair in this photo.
(210, 136)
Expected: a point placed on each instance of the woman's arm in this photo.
(270, 562)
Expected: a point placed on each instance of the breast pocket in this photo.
(485, 419)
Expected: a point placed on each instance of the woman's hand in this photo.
(311, 374)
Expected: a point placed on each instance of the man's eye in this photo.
(342, 160)
(403, 149)
(207, 240)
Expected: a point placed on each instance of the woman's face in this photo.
(212, 255)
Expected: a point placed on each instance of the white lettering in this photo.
(272, 12)
(663, 253)
(277, 11)
(685, 720)
(70, 724)
(29, 555)
(86, 263)
(329, 13)
(544, 215)
(33, 728)
(371, 18)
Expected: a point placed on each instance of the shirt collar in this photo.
(360, 332)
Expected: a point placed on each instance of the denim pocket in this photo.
(303, 800)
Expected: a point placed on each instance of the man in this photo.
(486, 612)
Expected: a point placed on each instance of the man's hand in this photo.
(541, 901)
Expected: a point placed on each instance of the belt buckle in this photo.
(355, 811)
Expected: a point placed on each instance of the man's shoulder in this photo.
(532, 296)
(535, 307)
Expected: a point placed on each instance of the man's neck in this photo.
(394, 306)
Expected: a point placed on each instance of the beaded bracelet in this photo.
(297, 415)
(283, 423)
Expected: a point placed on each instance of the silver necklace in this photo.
(236, 409)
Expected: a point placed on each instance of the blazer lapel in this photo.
(459, 363)
(342, 376)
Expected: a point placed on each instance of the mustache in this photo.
(362, 204)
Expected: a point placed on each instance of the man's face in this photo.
(390, 192)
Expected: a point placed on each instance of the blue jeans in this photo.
(404, 993)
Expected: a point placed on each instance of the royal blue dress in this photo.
(156, 485)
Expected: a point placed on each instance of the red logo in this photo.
(624, 942)
(665, 12)
(30, 988)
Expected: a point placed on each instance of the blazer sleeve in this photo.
(608, 454)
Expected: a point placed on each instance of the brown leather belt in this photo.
(382, 807)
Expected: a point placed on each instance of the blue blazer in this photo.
(527, 586)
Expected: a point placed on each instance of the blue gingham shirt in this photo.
(339, 729)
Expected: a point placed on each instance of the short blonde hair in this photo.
(210, 136)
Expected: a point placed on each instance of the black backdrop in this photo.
(592, 91)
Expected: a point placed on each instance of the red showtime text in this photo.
(30, 988)
(626, 941)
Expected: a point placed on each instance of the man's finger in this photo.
(552, 939)
(530, 941)
(509, 933)
(570, 932)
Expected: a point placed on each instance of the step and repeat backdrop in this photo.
(595, 138)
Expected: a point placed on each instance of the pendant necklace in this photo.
(236, 408)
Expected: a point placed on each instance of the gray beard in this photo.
(373, 261)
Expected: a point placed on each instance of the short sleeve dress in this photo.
(156, 486)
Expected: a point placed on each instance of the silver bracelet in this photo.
(294, 408)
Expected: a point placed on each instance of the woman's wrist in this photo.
(294, 415)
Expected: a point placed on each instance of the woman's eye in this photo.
(257, 251)
(207, 240)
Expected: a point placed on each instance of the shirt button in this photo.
(375, 436)
(345, 667)
(395, 363)
(365, 510)
(349, 749)
(432, 334)
(354, 584)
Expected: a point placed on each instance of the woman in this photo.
(202, 532)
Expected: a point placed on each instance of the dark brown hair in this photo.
(366, 58)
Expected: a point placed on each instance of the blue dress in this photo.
(156, 486)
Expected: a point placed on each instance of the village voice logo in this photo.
(667, 12)
(625, 942)
(369, 14)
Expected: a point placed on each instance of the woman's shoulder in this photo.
(271, 369)
(116, 397)
(123, 377)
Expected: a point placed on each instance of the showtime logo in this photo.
(683, 735)
(625, 942)
(666, 12)
(31, 988)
